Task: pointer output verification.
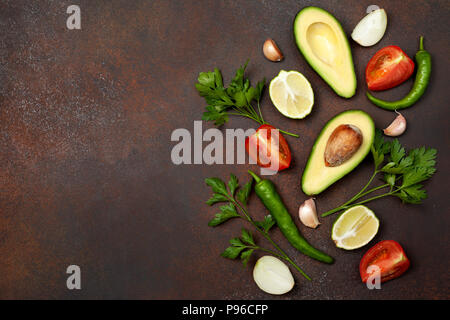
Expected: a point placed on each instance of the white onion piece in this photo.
(272, 275)
(371, 28)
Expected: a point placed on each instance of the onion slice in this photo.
(371, 28)
(273, 276)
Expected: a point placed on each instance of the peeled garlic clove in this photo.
(272, 275)
(308, 214)
(371, 28)
(271, 51)
(397, 127)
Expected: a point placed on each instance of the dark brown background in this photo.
(85, 171)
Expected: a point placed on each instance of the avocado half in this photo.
(317, 176)
(323, 43)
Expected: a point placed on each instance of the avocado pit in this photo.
(342, 144)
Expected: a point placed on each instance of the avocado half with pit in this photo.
(341, 145)
(323, 43)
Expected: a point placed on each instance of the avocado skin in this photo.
(311, 61)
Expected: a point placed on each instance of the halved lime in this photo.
(292, 94)
(355, 228)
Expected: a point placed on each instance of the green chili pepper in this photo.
(423, 59)
(269, 196)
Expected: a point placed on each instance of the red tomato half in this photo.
(388, 68)
(389, 256)
(269, 148)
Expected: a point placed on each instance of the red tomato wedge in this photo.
(268, 148)
(389, 256)
(388, 68)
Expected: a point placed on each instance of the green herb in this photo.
(236, 207)
(402, 173)
(237, 99)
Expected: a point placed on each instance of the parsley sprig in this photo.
(403, 173)
(236, 199)
(237, 99)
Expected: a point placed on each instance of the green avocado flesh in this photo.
(323, 43)
(317, 175)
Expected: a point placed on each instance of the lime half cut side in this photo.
(292, 94)
(355, 228)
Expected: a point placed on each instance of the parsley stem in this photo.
(271, 252)
(266, 235)
(289, 134)
(355, 197)
(329, 212)
(371, 199)
(260, 113)
(347, 206)
(245, 115)
(373, 189)
(253, 112)
(284, 258)
(358, 195)
(260, 121)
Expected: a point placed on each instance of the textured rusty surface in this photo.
(85, 170)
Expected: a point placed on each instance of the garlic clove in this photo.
(308, 214)
(397, 127)
(271, 51)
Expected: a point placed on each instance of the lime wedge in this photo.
(291, 94)
(355, 228)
